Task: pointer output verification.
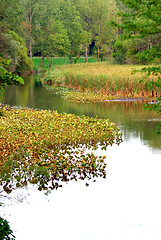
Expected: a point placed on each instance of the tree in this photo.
(119, 53)
(130, 50)
(52, 40)
(85, 12)
(32, 12)
(106, 33)
(95, 17)
(85, 41)
(11, 14)
(12, 47)
(143, 21)
(59, 42)
(70, 18)
(6, 77)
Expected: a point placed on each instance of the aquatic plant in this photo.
(47, 148)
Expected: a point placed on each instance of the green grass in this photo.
(58, 61)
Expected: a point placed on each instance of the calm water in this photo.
(124, 206)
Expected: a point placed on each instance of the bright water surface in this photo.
(124, 206)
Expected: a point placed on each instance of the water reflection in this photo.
(124, 206)
(129, 116)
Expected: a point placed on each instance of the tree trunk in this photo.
(51, 63)
(149, 43)
(99, 43)
(86, 58)
(30, 50)
(48, 64)
(42, 61)
(71, 60)
(65, 60)
(30, 42)
(98, 54)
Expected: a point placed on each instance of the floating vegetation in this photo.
(97, 82)
(47, 148)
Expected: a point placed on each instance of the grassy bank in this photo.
(99, 81)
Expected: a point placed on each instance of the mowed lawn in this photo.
(57, 61)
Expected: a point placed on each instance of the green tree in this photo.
(11, 14)
(86, 18)
(6, 77)
(70, 17)
(130, 50)
(106, 32)
(85, 40)
(12, 47)
(95, 17)
(33, 12)
(59, 44)
(143, 21)
(52, 40)
(119, 53)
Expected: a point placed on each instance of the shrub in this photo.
(5, 232)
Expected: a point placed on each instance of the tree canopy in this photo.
(74, 28)
(141, 33)
(139, 41)
(79, 26)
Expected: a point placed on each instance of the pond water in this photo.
(124, 206)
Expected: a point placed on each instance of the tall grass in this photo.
(105, 80)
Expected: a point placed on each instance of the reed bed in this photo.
(100, 81)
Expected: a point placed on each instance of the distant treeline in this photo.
(120, 31)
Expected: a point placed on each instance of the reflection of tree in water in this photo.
(38, 83)
(131, 117)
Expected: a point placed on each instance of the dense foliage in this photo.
(74, 28)
(141, 26)
(59, 27)
(5, 231)
(141, 32)
(46, 148)
(12, 47)
(6, 77)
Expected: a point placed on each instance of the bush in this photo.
(119, 53)
(6, 77)
(5, 232)
(12, 47)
